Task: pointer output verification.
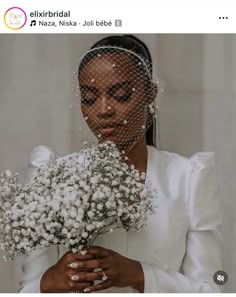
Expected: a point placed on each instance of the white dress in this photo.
(180, 249)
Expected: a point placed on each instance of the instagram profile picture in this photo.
(15, 18)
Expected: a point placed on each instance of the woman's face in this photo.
(114, 98)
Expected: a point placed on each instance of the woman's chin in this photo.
(112, 138)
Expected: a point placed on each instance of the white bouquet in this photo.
(70, 202)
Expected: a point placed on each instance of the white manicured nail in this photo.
(86, 290)
(75, 277)
(73, 265)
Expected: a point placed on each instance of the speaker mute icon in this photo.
(220, 277)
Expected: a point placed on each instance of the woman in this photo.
(180, 248)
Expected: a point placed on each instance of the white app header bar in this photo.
(114, 18)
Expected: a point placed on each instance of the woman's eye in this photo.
(123, 98)
(88, 98)
(121, 94)
(88, 102)
(89, 94)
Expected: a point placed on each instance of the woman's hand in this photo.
(119, 270)
(63, 276)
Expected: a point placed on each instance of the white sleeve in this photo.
(39, 261)
(204, 248)
(34, 266)
(40, 155)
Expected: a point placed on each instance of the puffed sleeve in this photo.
(204, 248)
(39, 261)
(40, 155)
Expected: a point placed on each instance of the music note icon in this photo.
(33, 23)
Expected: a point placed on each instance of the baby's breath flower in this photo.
(100, 206)
(85, 234)
(90, 214)
(71, 201)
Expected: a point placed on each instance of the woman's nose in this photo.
(104, 108)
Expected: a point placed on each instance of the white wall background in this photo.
(198, 110)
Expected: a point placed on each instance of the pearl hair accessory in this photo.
(151, 108)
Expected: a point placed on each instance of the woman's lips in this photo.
(108, 130)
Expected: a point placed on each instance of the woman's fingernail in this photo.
(84, 252)
(87, 290)
(73, 265)
(75, 277)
